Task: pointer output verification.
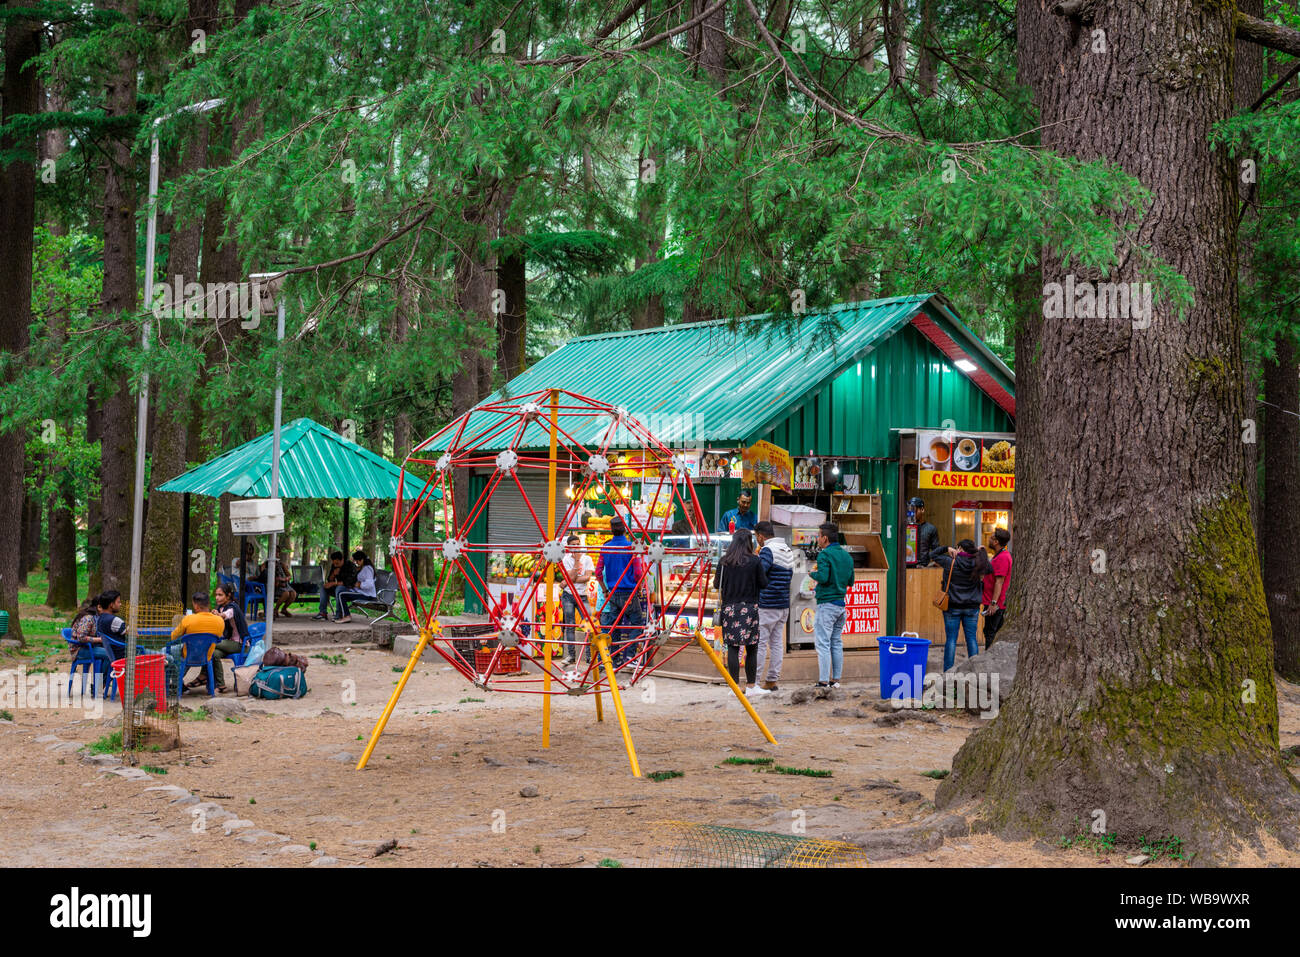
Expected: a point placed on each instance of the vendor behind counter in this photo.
(927, 536)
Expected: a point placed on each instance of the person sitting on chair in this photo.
(341, 574)
(202, 621)
(109, 622)
(364, 587)
(284, 593)
(84, 631)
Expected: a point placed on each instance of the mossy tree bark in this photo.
(17, 223)
(1145, 685)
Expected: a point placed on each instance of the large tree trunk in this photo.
(94, 508)
(1145, 681)
(1247, 85)
(170, 438)
(894, 18)
(1280, 511)
(61, 561)
(653, 223)
(21, 95)
(927, 64)
(117, 439)
(512, 321)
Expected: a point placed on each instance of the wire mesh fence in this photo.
(152, 701)
(687, 844)
(152, 620)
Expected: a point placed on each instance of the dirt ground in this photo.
(275, 784)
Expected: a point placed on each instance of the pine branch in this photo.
(1273, 36)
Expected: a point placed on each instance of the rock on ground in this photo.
(999, 660)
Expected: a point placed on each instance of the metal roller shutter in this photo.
(509, 521)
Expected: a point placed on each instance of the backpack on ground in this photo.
(275, 683)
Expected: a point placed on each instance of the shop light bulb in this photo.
(835, 469)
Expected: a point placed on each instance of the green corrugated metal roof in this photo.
(716, 382)
(315, 462)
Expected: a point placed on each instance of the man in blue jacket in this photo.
(777, 559)
(618, 570)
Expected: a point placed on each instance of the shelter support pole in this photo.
(185, 547)
(347, 534)
(602, 643)
(243, 547)
(722, 670)
(548, 630)
(397, 693)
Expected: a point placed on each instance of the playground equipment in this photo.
(602, 451)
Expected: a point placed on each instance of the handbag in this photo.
(940, 600)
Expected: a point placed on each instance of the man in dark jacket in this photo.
(773, 602)
(927, 536)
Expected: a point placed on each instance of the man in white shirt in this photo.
(580, 569)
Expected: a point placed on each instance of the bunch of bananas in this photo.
(522, 565)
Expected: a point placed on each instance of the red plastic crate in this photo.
(509, 664)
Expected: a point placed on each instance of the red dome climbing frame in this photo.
(590, 453)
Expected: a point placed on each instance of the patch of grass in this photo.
(233, 720)
(332, 659)
(938, 775)
(398, 669)
(196, 715)
(664, 775)
(537, 848)
(1097, 843)
(748, 760)
(358, 737)
(6, 715)
(609, 862)
(152, 769)
(312, 844)
(806, 772)
(477, 700)
(108, 744)
(252, 800)
(1171, 847)
(415, 830)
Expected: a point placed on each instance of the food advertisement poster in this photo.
(717, 464)
(862, 608)
(807, 477)
(766, 464)
(967, 461)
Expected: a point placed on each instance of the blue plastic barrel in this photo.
(902, 665)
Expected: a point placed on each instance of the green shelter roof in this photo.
(315, 462)
(728, 381)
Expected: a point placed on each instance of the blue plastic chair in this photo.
(88, 663)
(115, 648)
(198, 654)
(254, 595)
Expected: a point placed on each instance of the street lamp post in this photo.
(142, 423)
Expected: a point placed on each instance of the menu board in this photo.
(966, 461)
(862, 608)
